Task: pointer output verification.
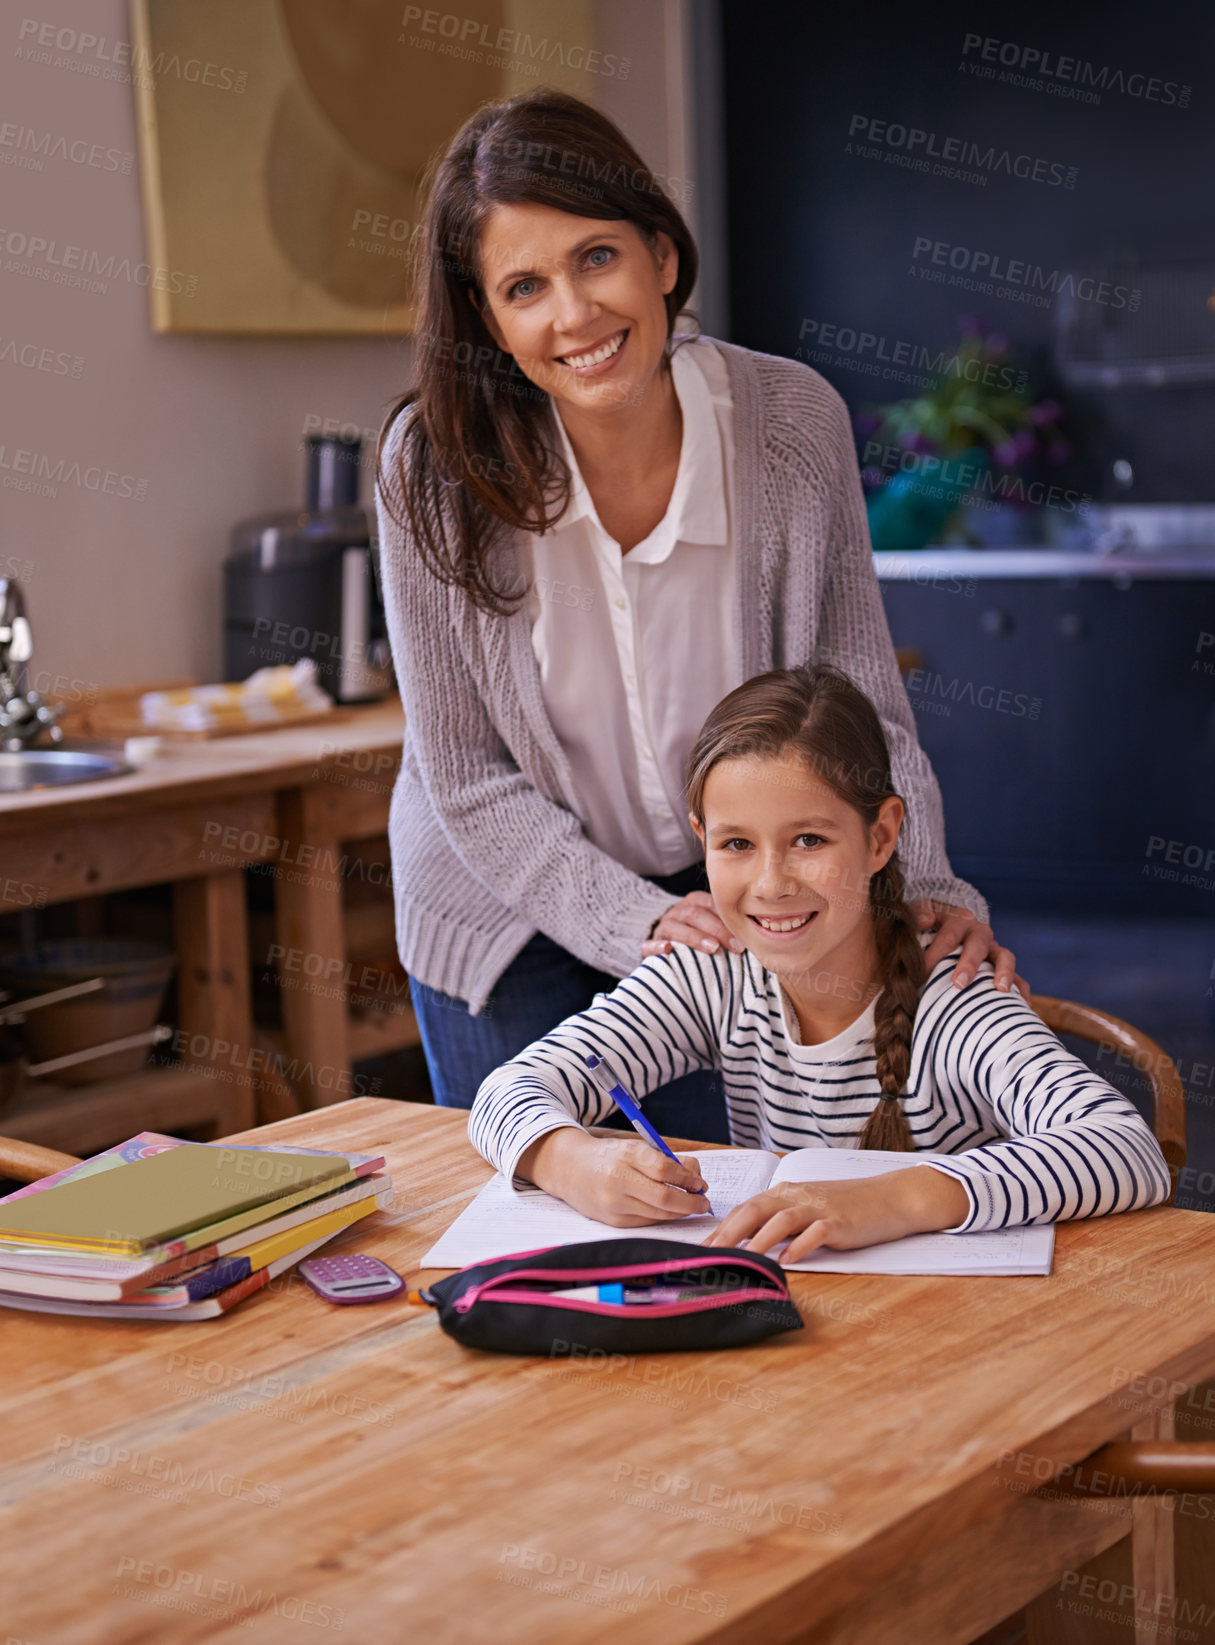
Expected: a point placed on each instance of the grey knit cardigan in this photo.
(486, 846)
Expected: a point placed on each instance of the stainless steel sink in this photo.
(23, 769)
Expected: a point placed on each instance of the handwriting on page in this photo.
(733, 1175)
(500, 1223)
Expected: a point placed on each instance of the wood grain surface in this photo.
(303, 1471)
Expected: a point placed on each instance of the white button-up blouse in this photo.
(635, 649)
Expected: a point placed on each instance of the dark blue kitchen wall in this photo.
(822, 235)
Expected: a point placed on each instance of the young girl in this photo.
(826, 1028)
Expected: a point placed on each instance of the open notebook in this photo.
(499, 1223)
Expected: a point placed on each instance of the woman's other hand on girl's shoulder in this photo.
(958, 926)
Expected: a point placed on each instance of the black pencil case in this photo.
(508, 1306)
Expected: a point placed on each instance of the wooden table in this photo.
(198, 816)
(876, 1478)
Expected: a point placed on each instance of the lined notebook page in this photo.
(500, 1223)
(1006, 1251)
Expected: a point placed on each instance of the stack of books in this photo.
(163, 1229)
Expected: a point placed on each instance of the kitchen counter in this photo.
(255, 762)
(196, 817)
(895, 565)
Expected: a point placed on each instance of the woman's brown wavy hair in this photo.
(818, 715)
(475, 458)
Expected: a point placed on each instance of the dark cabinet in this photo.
(1071, 724)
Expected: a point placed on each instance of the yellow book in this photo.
(189, 1195)
(240, 1264)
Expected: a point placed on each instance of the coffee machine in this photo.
(305, 583)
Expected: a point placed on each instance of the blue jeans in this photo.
(542, 986)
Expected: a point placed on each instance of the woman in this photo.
(591, 532)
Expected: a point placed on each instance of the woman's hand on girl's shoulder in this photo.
(693, 920)
(958, 926)
(846, 1215)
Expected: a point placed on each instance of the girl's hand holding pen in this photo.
(625, 1184)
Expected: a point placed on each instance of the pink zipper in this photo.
(660, 1310)
(470, 1296)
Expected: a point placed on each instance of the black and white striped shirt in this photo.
(1039, 1137)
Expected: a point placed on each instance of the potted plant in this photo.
(976, 437)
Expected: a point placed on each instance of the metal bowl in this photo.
(29, 768)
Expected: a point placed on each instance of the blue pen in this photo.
(604, 1078)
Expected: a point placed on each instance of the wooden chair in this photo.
(1086, 1022)
(1149, 1465)
(28, 1161)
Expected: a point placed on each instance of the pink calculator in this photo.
(352, 1278)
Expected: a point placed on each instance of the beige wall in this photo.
(123, 588)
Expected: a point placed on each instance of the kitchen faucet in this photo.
(23, 714)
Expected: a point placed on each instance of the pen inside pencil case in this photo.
(626, 1295)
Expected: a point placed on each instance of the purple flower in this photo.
(1024, 443)
(920, 443)
(1058, 451)
(867, 422)
(1046, 411)
(1005, 453)
(970, 325)
(996, 346)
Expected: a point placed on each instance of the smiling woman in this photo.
(593, 528)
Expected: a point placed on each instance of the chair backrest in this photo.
(28, 1161)
(1086, 1022)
